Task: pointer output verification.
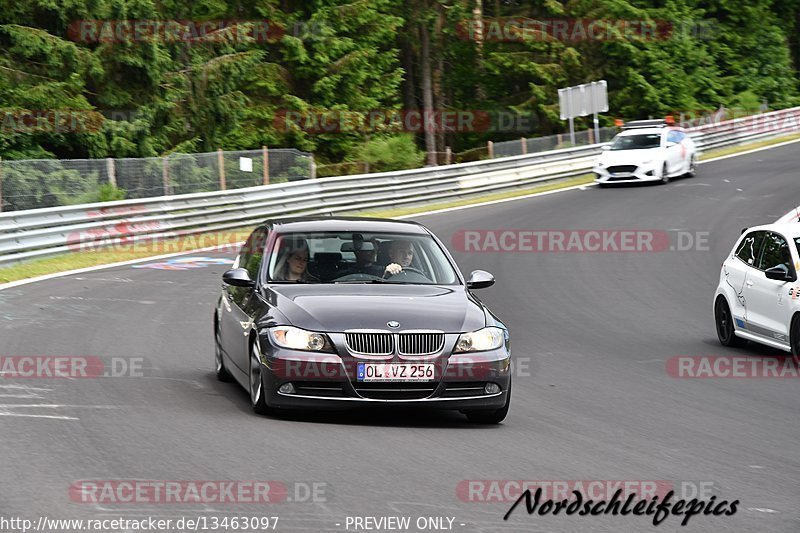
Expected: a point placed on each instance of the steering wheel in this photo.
(411, 270)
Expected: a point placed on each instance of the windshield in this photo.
(347, 257)
(637, 142)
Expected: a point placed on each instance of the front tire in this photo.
(491, 417)
(692, 167)
(664, 175)
(257, 394)
(794, 339)
(724, 321)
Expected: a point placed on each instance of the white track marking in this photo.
(24, 387)
(55, 405)
(53, 417)
(422, 214)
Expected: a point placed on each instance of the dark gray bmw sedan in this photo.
(342, 312)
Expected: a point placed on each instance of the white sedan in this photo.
(758, 296)
(646, 150)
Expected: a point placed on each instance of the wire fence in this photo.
(37, 183)
(551, 142)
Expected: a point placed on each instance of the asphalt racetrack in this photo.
(592, 335)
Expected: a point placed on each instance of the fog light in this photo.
(286, 388)
(492, 388)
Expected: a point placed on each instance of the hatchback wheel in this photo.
(724, 321)
(794, 339)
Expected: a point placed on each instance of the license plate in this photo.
(395, 372)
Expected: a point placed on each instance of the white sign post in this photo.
(581, 100)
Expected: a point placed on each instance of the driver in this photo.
(401, 253)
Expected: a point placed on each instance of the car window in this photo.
(332, 258)
(775, 252)
(252, 252)
(675, 137)
(637, 142)
(749, 248)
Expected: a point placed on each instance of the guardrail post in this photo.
(1, 184)
(559, 139)
(313, 166)
(524, 143)
(447, 155)
(490, 149)
(165, 175)
(591, 136)
(111, 171)
(265, 156)
(221, 165)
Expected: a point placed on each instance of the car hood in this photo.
(629, 157)
(336, 308)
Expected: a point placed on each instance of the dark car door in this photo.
(236, 322)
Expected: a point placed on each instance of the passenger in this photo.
(292, 263)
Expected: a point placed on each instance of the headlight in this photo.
(482, 340)
(300, 339)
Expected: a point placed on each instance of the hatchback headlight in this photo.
(300, 339)
(482, 340)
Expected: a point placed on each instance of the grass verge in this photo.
(115, 254)
(750, 146)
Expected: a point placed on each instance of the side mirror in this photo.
(480, 279)
(779, 273)
(238, 277)
(605, 147)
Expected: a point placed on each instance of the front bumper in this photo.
(639, 174)
(329, 381)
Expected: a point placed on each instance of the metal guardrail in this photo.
(43, 232)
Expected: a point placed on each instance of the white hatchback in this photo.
(645, 151)
(758, 296)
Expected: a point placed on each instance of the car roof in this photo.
(643, 131)
(789, 229)
(354, 224)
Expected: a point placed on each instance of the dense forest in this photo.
(138, 78)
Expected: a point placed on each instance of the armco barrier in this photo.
(42, 232)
